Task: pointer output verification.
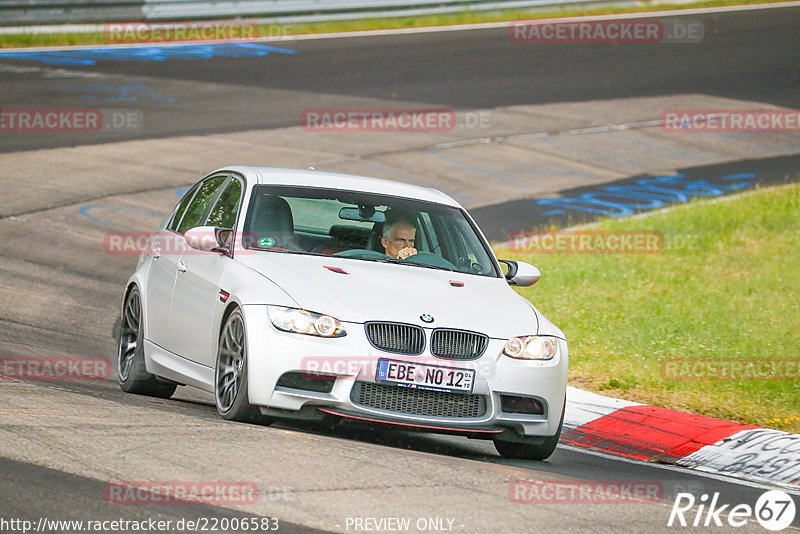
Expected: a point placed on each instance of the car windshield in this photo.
(365, 226)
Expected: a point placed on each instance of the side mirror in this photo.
(208, 238)
(520, 273)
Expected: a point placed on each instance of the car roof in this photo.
(347, 182)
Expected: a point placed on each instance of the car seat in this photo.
(272, 218)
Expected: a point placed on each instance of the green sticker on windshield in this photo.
(266, 242)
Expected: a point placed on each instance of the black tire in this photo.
(230, 377)
(536, 449)
(131, 372)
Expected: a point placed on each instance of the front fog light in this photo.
(531, 348)
(305, 322)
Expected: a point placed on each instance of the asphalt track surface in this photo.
(742, 56)
(62, 442)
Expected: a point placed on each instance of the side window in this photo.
(196, 212)
(224, 212)
(185, 199)
(467, 243)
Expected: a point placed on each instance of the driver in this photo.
(398, 239)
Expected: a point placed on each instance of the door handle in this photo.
(156, 253)
(181, 266)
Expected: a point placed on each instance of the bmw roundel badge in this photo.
(426, 318)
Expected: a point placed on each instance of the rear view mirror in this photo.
(362, 214)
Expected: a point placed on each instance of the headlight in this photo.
(305, 322)
(531, 347)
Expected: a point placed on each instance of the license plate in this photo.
(423, 376)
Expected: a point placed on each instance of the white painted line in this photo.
(45, 29)
(678, 469)
(752, 451)
(614, 127)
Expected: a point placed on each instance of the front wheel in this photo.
(230, 378)
(131, 372)
(533, 450)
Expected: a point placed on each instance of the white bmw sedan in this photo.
(304, 294)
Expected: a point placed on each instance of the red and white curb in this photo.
(654, 434)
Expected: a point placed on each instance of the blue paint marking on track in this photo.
(646, 194)
(90, 56)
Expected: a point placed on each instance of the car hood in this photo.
(373, 291)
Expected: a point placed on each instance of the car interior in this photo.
(347, 228)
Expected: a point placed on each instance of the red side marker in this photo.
(651, 433)
(336, 270)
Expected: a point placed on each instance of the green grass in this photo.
(725, 286)
(466, 17)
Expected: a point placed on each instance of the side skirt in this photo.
(165, 364)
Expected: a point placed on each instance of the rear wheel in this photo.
(131, 372)
(535, 449)
(230, 378)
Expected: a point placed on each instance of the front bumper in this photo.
(352, 360)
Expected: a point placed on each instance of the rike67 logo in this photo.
(774, 510)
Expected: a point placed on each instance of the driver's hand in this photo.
(406, 252)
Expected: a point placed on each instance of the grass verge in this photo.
(725, 286)
(382, 23)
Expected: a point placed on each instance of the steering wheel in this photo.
(429, 258)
